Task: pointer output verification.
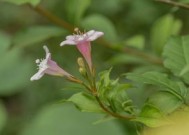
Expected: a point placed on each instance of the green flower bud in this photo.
(81, 62)
(83, 71)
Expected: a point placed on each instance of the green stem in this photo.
(93, 90)
(112, 113)
(58, 21)
(173, 3)
(95, 94)
(78, 81)
(134, 52)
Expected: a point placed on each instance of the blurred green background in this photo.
(34, 108)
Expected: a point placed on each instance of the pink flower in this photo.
(82, 42)
(48, 66)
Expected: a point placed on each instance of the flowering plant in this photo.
(98, 91)
(105, 95)
(134, 81)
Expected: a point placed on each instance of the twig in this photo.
(112, 113)
(53, 18)
(150, 58)
(56, 20)
(93, 90)
(134, 52)
(173, 3)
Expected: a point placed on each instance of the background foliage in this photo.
(142, 35)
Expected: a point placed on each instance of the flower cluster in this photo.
(82, 42)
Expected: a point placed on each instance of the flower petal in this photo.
(68, 42)
(54, 69)
(48, 57)
(48, 54)
(89, 33)
(38, 75)
(93, 35)
(71, 37)
(46, 49)
(85, 49)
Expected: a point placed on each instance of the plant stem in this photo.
(173, 3)
(94, 92)
(134, 52)
(112, 113)
(62, 23)
(58, 21)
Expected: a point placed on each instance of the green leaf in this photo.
(36, 34)
(3, 116)
(66, 120)
(161, 80)
(20, 2)
(176, 54)
(100, 23)
(104, 119)
(105, 78)
(165, 102)
(162, 30)
(149, 67)
(85, 103)
(137, 41)
(14, 72)
(76, 8)
(5, 42)
(151, 116)
(113, 94)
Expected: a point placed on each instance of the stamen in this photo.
(77, 31)
(78, 35)
(37, 61)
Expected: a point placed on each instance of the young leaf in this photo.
(113, 94)
(165, 102)
(36, 34)
(151, 116)
(162, 30)
(85, 103)
(176, 53)
(20, 2)
(161, 80)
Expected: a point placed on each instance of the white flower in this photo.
(48, 66)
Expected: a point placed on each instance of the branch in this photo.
(134, 52)
(112, 113)
(60, 22)
(53, 18)
(173, 3)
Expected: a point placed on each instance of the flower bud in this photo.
(81, 62)
(83, 71)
